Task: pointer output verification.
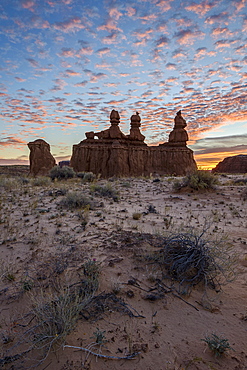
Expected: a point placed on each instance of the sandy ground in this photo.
(44, 247)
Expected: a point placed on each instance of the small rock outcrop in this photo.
(116, 154)
(235, 164)
(41, 160)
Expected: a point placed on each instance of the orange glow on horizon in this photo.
(210, 160)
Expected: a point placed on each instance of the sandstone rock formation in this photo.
(116, 154)
(235, 164)
(41, 160)
(178, 136)
(135, 123)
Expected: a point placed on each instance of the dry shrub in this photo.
(62, 173)
(76, 200)
(198, 180)
(54, 315)
(106, 191)
(191, 258)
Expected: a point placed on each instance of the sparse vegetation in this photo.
(106, 191)
(8, 183)
(217, 344)
(192, 258)
(136, 216)
(198, 180)
(86, 176)
(41, 181)
(62, 173)
(99, 336)
(75, 200)
(244, 194)
(46, 255)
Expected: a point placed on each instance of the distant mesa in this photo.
(112, 153)
(64, 163)
(41, 160)
(234, 164)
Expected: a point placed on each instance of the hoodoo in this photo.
(41, 160)
(114, 154)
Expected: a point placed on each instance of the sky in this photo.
(65, 64)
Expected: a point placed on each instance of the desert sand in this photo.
(135, 310)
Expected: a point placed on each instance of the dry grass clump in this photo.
(198, 180)
(53, 316)
(41, 181)
(8, 183)
(191, 258)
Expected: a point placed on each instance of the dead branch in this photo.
(128, 357)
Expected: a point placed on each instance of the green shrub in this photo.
(198, 180)
(62, 173)
(86, 176)
(217, 344)
(106, 191)
(75, 200)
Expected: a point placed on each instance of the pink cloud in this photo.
(171, 66)
(143, 33)
(162, 41)
(11, 141)
(86, 50)
(115, 13)
(222, 44)
(97, 76)
(220, 31)
(81, 84)
(112, 38)
(110, 25)
(111, 84)
(203, 52)
(70, 72)
(131, 11)
(179, 53)
(218, 18)
(245, 24)
(148, 18)
(239, 4)
(28, 4)
(103, 51)
(33, 62)
(201, 8)
(188, 37)
(71, 25)
(67, 52)
(59, 84)
(164, 5)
